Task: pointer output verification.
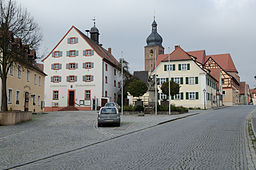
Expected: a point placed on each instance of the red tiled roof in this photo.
(253, 91)
(242, 87)
(215, 73)
(225, 61)
(177, 55)
(199, 55)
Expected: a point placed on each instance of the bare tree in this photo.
(15, 24)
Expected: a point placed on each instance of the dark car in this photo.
(109, 115)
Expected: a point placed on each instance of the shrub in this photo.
(139, 108)
(129, 108)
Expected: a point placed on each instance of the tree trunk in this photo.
(4, 106)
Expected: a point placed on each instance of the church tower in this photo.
(153, 48)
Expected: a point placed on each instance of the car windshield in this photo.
(108, 111)
(110, 104)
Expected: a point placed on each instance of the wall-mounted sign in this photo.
(87, 102)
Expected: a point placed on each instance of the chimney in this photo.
(176, 46)
(109, 50)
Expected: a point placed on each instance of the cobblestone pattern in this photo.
(57, 132)
(213, 140)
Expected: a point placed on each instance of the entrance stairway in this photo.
(69, 108)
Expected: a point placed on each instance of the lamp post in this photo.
(156, 101)
(169, 81)
(204, 97)
(122, 87)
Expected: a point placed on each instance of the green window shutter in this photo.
(167, 79)
(172, 79)
(173, 67)
(197, 95)
(181, 95)
(186, 80)
(196, 80)
(167, 96)
(181, 80)
(165, 67)
(187, 95)
(172, 97)
(188, 66)
(179, 66)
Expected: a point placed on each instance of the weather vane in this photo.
(94, 19)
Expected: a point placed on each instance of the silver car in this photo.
(108, 115)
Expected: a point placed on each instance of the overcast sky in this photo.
(217, 26)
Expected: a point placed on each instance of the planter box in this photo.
(12, 118)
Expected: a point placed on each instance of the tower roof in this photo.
(154, 38)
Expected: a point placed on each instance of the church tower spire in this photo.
(153, 48)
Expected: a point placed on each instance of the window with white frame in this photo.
(39, 80)
(38, 100)
(162, 80)
(163, 96)
(34, 79)
(28, 74)
(55, 95)
(184, 66)
(178, 96)
(19, 72)
(72, 65)
(17, 97)
(87, 94)
(170, 67)
(11, 70)
(57, 54)
(192, 95)
(56, 66)
(9, 96)
(88, 52)
(178, 80)
(72, 40)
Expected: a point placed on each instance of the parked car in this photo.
(112, 104)
(108, 115)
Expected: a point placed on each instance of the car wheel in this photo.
(118, 124)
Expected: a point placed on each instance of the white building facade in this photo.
(81, 74)
(197, 87)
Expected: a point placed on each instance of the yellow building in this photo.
(197, 87)
(25, 88)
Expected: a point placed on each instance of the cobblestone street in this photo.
(57, 132)
(213, 139)
(210, 140)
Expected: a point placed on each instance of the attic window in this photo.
(72, 40)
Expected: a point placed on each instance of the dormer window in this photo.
(72, 40)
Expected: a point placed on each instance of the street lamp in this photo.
(204, 98)
(122, 87)
(169, 82)
(156, 101)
